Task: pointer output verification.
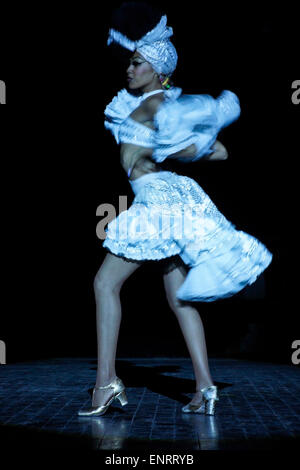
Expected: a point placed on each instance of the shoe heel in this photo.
(210, 407)
(210, 395)
(122, 398)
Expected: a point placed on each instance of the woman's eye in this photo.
(135, 63)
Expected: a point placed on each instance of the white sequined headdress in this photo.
(155, 46)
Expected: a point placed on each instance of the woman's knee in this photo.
(113, 273)
(174, 303)
(173, 279)
(104, 285)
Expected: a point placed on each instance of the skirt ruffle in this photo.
(172, 215)
(234, 264)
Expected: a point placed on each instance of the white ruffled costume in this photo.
(171, 214)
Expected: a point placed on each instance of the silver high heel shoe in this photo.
(208, 405)
(118, 392)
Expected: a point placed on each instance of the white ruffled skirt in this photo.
(172, 215)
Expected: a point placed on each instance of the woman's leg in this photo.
(107, 285)
(192, 329)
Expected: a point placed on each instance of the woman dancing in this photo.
(171, 217)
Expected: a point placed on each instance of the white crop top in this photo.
(133, 132)
(122, 126)
(181, 120)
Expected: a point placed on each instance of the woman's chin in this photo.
(132, 85)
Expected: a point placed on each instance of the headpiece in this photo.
(155, 46)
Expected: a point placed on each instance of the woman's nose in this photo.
(129, 68)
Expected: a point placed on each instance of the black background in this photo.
(59, 165)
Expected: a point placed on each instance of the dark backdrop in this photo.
(62, 165)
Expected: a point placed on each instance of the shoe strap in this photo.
(111, 385)
(210, 387)
(210, 393)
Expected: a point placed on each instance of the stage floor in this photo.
(259, 406)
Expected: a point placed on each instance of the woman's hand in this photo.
(187, 153)
(219, 153)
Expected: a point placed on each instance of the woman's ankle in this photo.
(102, 381)
(201, 385)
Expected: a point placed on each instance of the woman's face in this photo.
(140, 72)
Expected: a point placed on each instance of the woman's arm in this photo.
(147, 110)
(220, 153)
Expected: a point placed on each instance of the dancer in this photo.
(171, 217)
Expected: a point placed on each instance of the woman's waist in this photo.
(134, 156)
(138, 183)
(141, 166)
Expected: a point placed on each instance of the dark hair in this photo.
(135, 19)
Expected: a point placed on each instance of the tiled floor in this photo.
(259, 407)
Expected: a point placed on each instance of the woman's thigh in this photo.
(114, 271)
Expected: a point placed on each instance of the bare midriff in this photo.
(136, 160)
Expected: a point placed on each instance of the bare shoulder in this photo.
(148, 108)
(152, 103)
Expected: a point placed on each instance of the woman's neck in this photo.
(149, 93)
(149, 88)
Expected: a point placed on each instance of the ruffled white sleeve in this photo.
(228, 108)
(192, 119)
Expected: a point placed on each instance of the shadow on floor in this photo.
(138, 376)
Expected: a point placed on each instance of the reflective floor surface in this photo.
(259, 406)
